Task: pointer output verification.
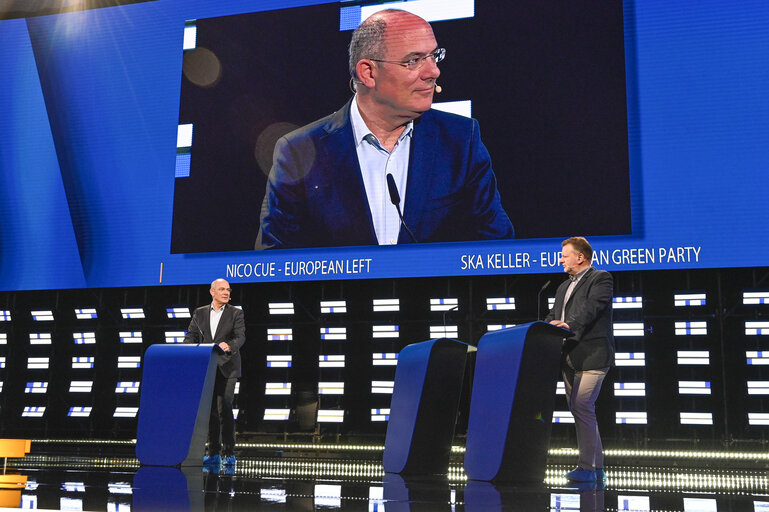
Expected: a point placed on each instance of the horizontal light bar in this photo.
(277, 388)
(129, 362)
(331, 361)
(84, 338)
(84, 362)
(283, 334)
(560, 388)
(132, 313)
(37, 363)
(748, 298)
(42, 315)
(175, 336)
(696, 418)
(2, 361)
(127, 387)
(444, 331)
(125, 412)
(384, 359)
(693, 387)
(630, 359)
(331, 388)
(563, 417)
(627, 302)
(40, 338)
(444, 304)
(630, 418)
(380, 414)
(131, 337)
(79, 412)
(498, 327)
(428, 10)
(33, 412)
(86, 314)
(550, 302)
(333, 333)
(385, 331)
(757, 328)
(36, 387)
(333, 306)
(693, 357)
(758, 387)
(119, 488)
(5, 315)
(178, 312)
(330, 416)
(500, 303)
(691, 328)
(757, 357)
(81, 386)
(276, 414)
(689, 299)
(273, 495)
(629, 389)
(629, 329)
(381, 305)
(3, 338)
(758, 418)
(281, 361)
(281, 308)
(382, 387)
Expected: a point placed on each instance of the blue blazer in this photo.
(315, 195)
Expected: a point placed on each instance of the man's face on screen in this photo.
(403, 91)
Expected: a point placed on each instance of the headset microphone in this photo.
(438, 88)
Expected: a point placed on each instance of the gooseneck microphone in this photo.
(395, 198)
(539, 297)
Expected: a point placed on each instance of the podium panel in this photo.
(423, 410)
(175, 404)
(511, 408)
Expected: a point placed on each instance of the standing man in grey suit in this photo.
(222, 324)
(583, 304)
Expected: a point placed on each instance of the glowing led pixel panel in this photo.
(444, 304)
(385, 331)
(330, 416)
(284, 334)
(630, 418)
(629, 389)
(500, 303)
(635, 503)
(276, 414)
(696, 418)
(498, 327)
(689, 299)
(131, 337)
(563, 417)
(564, 501)
(190, 35)
(333, 306)
(330, 388)
(444, 331)
(40, 338)
(333, 333)
(79, 412)
(748, 298)
(281, 308)
(132, 313)
(757, 357)
(383, 305)
(36, 387)
(754, 328)
(630, 359)
(758, 387)
(84, 338)
(42, 315)
(279, 361)
(328, 496)
(127, 387)
(382, 387)
(83, 362)
(81, 386)
(384, 359)
(277, 388)
(273, 495)
(331, 361)
(125, 412)
(175, 336)
(691, 328)
(627, 303)
(3, 338)
(129, 362)
(758, 418)
(560, 388)
(693, 357)
(33, 412)
(380, 414)
(628, 329)
(181, 312)
(429, 10)
(693, 387)
(5, 315)
(86, 314)
(38, 363)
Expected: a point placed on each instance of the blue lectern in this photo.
(175, 404)
(511, 409)
(423, 409)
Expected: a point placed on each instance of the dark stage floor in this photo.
(339, 477)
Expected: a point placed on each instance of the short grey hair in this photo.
(368, 42)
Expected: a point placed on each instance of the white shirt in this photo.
(214, 319)
(375, 164)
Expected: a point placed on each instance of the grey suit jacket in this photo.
(231, 329)
(589, 315)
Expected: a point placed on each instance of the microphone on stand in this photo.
(539, 298)
(395, 198)
(446, 312)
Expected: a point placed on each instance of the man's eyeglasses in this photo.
(415, 63)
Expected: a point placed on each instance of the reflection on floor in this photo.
(343, 482)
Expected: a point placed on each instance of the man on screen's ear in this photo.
(328, 183)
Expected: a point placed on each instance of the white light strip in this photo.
(281, 361)
(691, 328)
(127, 387)
(37, 363)
(125, 412)
(79, 412)
(81, 386)
(330, 416)
(462, 108)
(184, 136)
(627, 302)
(757, 328)
(131, 337)
(629, 329)
(283, 334)
(86, 314)
(333, 333)
(629, 389)
(3, 338)
(33, 412)
(500, 303)
(333, 306)
(380, 414)
(40, 338)
(36, 387)
(758, 418)
(563, 417)
(444, 331)
(277, 388)
(630, 359)
(757, 357)
(696, 418)
(276, 414)
(630, 418)
(190, 39)
(693, 357)
(175, 336)
(498, 327)
(331, 361)
(689, 299)
(758, 387)
(129, 362)
(331, 388)
(748, 298)
(5, 315)
(178, 312)
(444, 304)
(84, 338)
(560, 388)
(385, 331)
(381, 305)
(693, 387)
(384, 359)
(382, 387)
(130, 313)
(281, 308)
(42, 315)
(83, 362)
(428, 10)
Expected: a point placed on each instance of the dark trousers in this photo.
(221, 425)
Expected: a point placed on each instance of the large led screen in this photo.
(136, 141)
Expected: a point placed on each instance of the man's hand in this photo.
(225, 347)
(561, 324)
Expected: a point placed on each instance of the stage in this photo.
(317, 475)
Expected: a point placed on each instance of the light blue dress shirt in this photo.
(375, 163)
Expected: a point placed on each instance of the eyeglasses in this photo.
(415, 63)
